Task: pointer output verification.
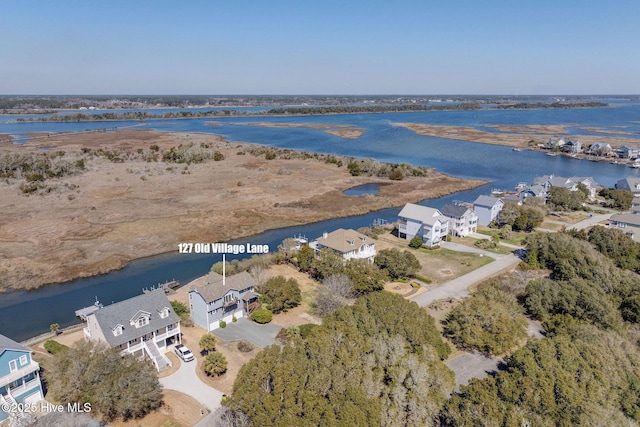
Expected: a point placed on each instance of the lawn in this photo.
(442, 265)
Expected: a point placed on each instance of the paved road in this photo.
(459, 247)
(589, 222)
(186, 381)
(458, 288)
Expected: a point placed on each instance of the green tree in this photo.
(116, 386)
(54, 328)
(207, 343)
(564, 198)
(327, 263)
(617, 199)
(365, 276)
(490, 321)
(305, 257)
(281, 294)
(215, 364)
(397, 264)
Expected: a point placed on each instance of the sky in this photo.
(346, 47)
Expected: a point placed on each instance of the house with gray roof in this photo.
(487, 209)
(541, 185)
(348, 243)
(142, 325)
(462, 221)
(628, 152)
(630, 183)
(214, 298)
(428, 223)
(628, 223)
(19, 378)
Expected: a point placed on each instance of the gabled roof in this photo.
(487, 201)
(342, 240)
(424, 214)
(559, 181)
(454, 211)
(211, 288)
(627, 218)
(7, 343)
(121, 313)
(629, 183)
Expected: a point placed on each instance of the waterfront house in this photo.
(630, 183)
(19, 377)
(462, 221)
(600, 149)
(541, 185)
(629, 223)
(214, 298)
(572, 147)
(142, 325)
(555, 144)
(428, 223)
(348, 243)
(628, 152)
(487, 208)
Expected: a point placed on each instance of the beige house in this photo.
(628, 223)
(349, 243)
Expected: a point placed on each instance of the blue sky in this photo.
(320, 47)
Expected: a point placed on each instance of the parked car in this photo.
(184, 353)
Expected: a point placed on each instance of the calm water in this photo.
(24, 314)
(361, 190)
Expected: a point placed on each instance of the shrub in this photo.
(416, 242)
(234, 319)
(262, 315)
(245, 346)
(215, 364)
(223, 324)
(54, 347)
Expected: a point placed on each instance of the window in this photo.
(164, 313)
(13, 366)
(118, 330)
(142, 321)
(228, 298)
(23, 360)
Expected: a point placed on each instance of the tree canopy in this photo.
(375, 363)
(116, 386)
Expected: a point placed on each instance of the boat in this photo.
(516, 149)
(634, 165)
(551, 154)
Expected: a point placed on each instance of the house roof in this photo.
(211, 287)
(454, 211)
(487, 201)
(629, 183)
(342, 240)
(424, 214)
(123, 312)
(627, 218)
(7, 343)
(559, 181)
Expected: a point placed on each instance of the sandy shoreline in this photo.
(343, 131)
(125, 206)
(519, 136)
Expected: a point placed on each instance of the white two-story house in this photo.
(142, 325)
(348, 243)
(19, 378)
(428, 223)
(628, 223)
(462, 221)
(214, 298)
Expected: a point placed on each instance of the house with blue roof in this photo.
(19, 377)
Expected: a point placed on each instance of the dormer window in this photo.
(164, 313)
(118, 330)
(142, 321)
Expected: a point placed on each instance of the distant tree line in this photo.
(540, 105)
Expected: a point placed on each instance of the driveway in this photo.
(473, 365)
(245, 329)
(186, 381)
(459, 288)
